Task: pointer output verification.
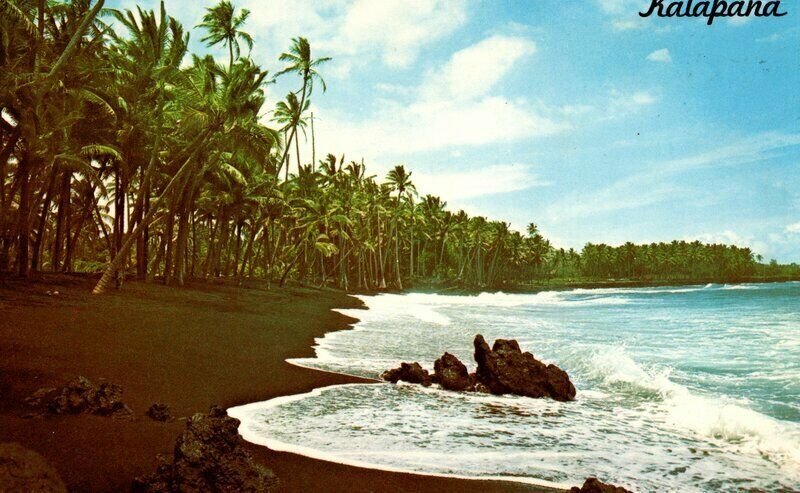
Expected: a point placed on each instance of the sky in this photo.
(580, 116)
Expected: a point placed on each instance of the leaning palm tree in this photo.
(224, 26)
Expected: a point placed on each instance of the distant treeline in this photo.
(122, 153)
(678, 260)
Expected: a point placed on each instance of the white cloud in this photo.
(660, 56)
(356, 32)
(453, 106)
(459, 185)
(627, 24)
(738, 21)
(631, 193)
(651, 187)
(769, 39)
(619, 6)
(729, 237)
(752, 149)
(624, 14)
(640, 98)
(576, 109)
(781, 35)
(397, 128)
(793, 228)
(398, 28)
(473, 71)
(624, 103)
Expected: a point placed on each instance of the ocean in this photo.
(688, 388)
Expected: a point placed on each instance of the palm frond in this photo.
(8, 8)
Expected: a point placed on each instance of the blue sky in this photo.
(580, 116)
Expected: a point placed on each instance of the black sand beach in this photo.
(189, 348)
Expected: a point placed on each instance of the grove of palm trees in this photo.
(123, 153)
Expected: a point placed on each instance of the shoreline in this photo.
(204, 344)
(429, 286)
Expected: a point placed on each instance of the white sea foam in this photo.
(424, 302)
(739, 286)
(252, 430)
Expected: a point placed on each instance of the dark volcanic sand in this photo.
(189, 348)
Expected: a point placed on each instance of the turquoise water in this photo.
(693, 388)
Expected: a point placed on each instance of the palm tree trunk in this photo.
(397, 250)
(181, 246)
(313, 146)
(101, 228)
(23, 213)
(5, 154)
(169, 229)
(61, 218)
(381, 264)
(194, 246)
(72, 243)
(248, 250)
(297, 151)
(40, 233)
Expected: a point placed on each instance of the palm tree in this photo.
(290, 114)
(146, 63)
(301, 62)
(215, 100)
(224, 26)
(400, 181)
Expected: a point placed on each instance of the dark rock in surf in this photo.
(451, 374)
(408, 372)
(22, 469)
(505, 369)
(208, 456)
(593, 485)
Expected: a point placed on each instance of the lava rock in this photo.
(505, 369)
(208, 456)
(81, 396)
(36, 399)
(22, 469)
(159, 412)
(593, 485)
(408, 372)
(451, 374)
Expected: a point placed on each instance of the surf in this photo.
(671, 385)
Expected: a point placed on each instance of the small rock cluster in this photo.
(208, 456)
(81, 396)
(159, 412)
(503, 369)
